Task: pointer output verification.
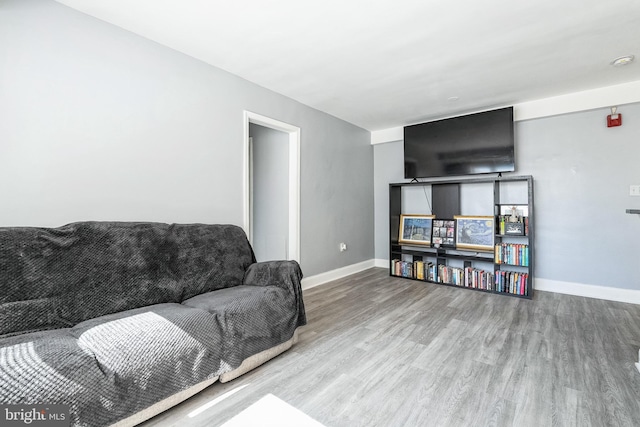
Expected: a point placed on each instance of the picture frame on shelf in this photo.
(416, 229)
(443, 233)
(508, 210)
(514, 228)
(475, 232)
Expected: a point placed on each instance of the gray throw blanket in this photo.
(111, 318)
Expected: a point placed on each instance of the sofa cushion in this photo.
(50, 367)
(110, 367)
(211, 257)
(252, 318)
(57, 277)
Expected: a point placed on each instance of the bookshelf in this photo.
(505, 266)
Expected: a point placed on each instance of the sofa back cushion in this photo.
(57, 277)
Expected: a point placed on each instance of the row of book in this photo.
(512, 253)
(499, 281)
(511, 282)
(415, 270)
(468, 277)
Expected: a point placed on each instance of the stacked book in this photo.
(468, 277)
(511, 282)
(415, 270)
(512, 253)
(402, 268)
(499, 281)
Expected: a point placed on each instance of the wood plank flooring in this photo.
(384, 351)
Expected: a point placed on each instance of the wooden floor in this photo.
(383, 351)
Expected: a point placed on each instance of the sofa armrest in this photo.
(283, 274)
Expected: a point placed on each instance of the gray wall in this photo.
(100, 124)
(582, 172)
(270, 193)
(388, 166)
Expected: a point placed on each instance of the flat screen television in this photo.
(465, 145)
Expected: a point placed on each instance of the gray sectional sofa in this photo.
(122, 320)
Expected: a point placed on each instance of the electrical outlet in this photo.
(343, 247)
(634, 190)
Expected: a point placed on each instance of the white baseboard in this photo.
(382, 263)
(338, 273)
(631, 296)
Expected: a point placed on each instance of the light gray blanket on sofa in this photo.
(111, 318)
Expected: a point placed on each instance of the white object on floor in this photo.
(638, 364)
(215, 401)
(270, 411)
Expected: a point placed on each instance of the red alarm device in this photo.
(614, 119)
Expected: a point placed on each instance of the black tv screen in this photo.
(466, 145)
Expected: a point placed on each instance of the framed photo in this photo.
(443, 233)
(514, 228)
(475, 232)
(416, 229)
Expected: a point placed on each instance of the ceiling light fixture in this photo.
(453, 98)
(623, 60)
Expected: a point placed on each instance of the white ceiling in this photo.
(380, 64)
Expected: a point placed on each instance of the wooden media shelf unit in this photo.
(506, 266)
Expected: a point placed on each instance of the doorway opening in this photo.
(260, 225)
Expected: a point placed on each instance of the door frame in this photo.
(293, 247)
